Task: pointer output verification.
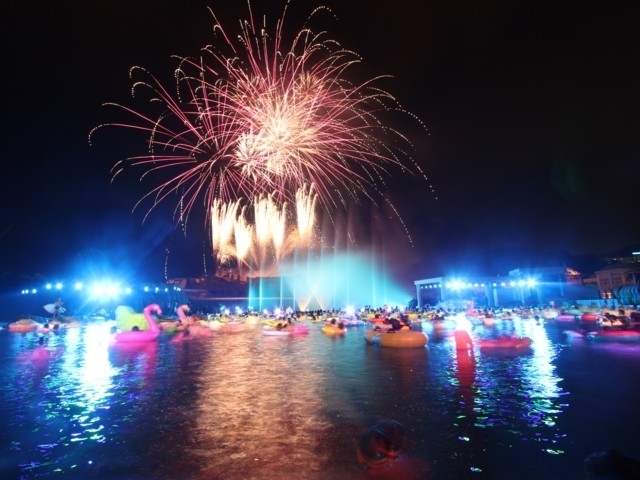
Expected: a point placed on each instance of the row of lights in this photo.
(460, 285)
(106, 289)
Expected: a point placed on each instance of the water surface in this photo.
(249, 406)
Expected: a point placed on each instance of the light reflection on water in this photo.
(248, 406)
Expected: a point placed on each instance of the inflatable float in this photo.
(505, 342)
(275, 332)
(333, 330)
(127, 318)
(24, 325)
(134, 336)
(629, 336)
(299, 330)
(353, 322)
(381, 452)
(396, 339)
(590, 317)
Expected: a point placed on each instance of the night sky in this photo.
(531, 107)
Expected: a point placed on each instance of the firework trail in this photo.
(260, 114)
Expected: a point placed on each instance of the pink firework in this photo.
(256, 115)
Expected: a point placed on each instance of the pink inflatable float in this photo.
(142, 335)
(182, 316)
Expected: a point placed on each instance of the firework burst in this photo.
(257, 116)
(258, 240)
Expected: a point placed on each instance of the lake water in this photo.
(249, 406)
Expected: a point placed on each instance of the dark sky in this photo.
(532, 110)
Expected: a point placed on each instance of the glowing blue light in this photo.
(457, 284)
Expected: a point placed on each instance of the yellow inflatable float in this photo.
(333, 330)
(396, 339)
(127, 318)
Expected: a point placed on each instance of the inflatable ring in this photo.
(24, 325)
(331, 330)
(381, 443)
(398, 339)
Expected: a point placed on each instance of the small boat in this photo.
(505, 342)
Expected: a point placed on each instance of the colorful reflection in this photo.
(245, 405)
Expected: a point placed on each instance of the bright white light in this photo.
(108, 290)
(112, 290)
(456, 284)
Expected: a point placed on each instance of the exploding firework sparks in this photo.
(257, 117)
(260, 243)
